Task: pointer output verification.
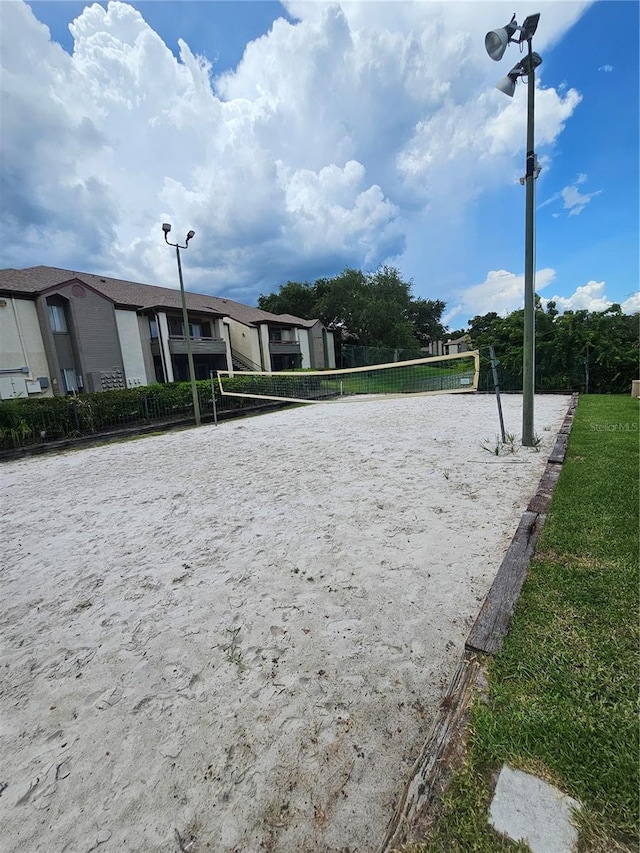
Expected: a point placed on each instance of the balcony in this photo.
(199, 346)
(284, 348)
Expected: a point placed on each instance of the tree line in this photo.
(592, 351)
(589, 351)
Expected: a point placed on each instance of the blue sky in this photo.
(346, 134)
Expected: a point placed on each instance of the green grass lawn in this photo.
(563, 693)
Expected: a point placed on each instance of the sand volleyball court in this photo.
(237, 638)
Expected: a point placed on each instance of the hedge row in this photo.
(29, 421)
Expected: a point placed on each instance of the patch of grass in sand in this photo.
(562, 700)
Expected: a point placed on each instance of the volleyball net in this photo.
(445, 374)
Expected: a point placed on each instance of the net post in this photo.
(494, 370)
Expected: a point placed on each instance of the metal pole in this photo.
(187, 335)
(586, 371)
(213, 398)
(494, 370)
(529, 343)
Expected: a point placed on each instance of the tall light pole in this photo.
(496, 43)
(185, 319)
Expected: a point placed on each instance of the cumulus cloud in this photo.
(592, 297)
(315, 152)
(606, 68)
(631, 305)
(501, 291)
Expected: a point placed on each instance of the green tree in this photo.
(611, 350)
(426, 317)
(294, 297)
(371, 309)
(576, 350)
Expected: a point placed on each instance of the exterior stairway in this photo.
(242, 363)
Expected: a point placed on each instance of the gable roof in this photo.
(34, 280)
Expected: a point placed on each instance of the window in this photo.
(69, 376)
(153, 326)
(197, 329)
(275, 335)
(57, 319)
(176, 328)
(201, 329)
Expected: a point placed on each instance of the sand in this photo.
(237, 638)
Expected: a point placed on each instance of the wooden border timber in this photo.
(445, 744)
(441, 751)
(492, 624)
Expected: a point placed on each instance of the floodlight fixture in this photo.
(523, 69)
(530, 63)
(496, 41)
(507, 85)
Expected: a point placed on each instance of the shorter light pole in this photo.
(185, 319)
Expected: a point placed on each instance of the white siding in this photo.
(264, 338)
(331, 351)
(244, 340)
(163, 334)
(226, 336)
(131, 348)
(305, 347)
(21, 342)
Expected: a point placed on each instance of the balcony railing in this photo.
(284, 347)
(178, 346)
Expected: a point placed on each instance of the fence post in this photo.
(213, 398)
(146, 406)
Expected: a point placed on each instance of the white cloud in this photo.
(575, 201)
(572, 199)
(502, 292)
(449, 317)
(606, 68)
(592, 297)
(312, 154)
(632, 304)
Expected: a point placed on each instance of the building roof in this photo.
(34, 280)
(295, 321)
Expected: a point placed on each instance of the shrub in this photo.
(29, 421)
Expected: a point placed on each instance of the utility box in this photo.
(106, 380)
(635, 387)
(12, 387)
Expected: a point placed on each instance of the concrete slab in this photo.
(527, 809)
